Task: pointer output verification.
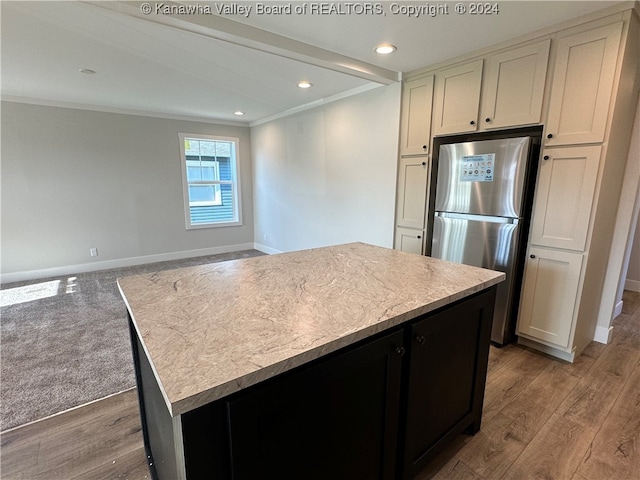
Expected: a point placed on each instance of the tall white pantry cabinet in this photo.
(413, 165)
(581, 82)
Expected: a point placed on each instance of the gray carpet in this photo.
(72, 345)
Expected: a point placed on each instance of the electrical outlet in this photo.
(265, 237)
(93, 252)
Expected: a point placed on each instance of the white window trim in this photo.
(237, 192)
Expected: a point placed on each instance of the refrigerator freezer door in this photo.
(481, 241)
(482, 178)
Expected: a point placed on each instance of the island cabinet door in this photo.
(335, 420)
(447, 371)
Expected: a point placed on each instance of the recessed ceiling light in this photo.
(385, 49)
(87, 71)
(305, 84)
(238, 112)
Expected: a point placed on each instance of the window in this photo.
(210, 180)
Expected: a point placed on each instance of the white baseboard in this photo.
(124, 262)
(265, 249)
(603, 334)
(618, 310)
(633, 285)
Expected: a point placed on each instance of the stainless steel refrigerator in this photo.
(481, 206)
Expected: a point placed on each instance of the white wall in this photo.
(633, 274)
(620, 254)
(627, 225)
(328, 175)
(630, 279)
(76, 179)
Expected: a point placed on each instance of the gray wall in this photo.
(77, 179)
(328, 175)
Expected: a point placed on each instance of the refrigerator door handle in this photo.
(479, 218)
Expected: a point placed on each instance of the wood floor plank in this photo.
(615, 451)
(630, 302)
(458, 471)
(630, 317)
(502, 440)
(628, 402)
(55, 448)
(554, 453)
(72, 453)
(589, 403)
(545, 393)
(502, 357)
(132, 466)
(507, 383)
(577, 476)
(625, 337)
(498, 444)
(583, 363)
(69, 419)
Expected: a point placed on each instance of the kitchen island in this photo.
(343, 362)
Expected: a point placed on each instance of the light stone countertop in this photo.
(212, 330)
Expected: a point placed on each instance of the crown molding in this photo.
(44, 102)
(317, 103)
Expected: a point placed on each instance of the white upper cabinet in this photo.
(512, 91)
(457, 99)
(513, 87)
(417, 100)
(584, 73)
(564, 197)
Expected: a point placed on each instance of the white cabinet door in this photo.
(412, 192)
(417, 101)
(564, 196)
(582, 84)
(549, 295)
(408, 240)
(513, 86)
(458, 99)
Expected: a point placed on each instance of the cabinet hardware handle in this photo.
(424, 147)
(424, 163)
(400, 351)
(550, 135)
(532, 256)
(487, 119)
(472, 122)
(546, 157)
(418, 236)
(420, 339)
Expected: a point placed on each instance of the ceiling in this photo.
(206, 66)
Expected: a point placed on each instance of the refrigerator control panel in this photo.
(477, 168)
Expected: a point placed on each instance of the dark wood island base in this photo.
(381, 408)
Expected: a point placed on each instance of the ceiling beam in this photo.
(221, 28)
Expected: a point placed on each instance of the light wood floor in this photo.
(543, 419)
(101, 440)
